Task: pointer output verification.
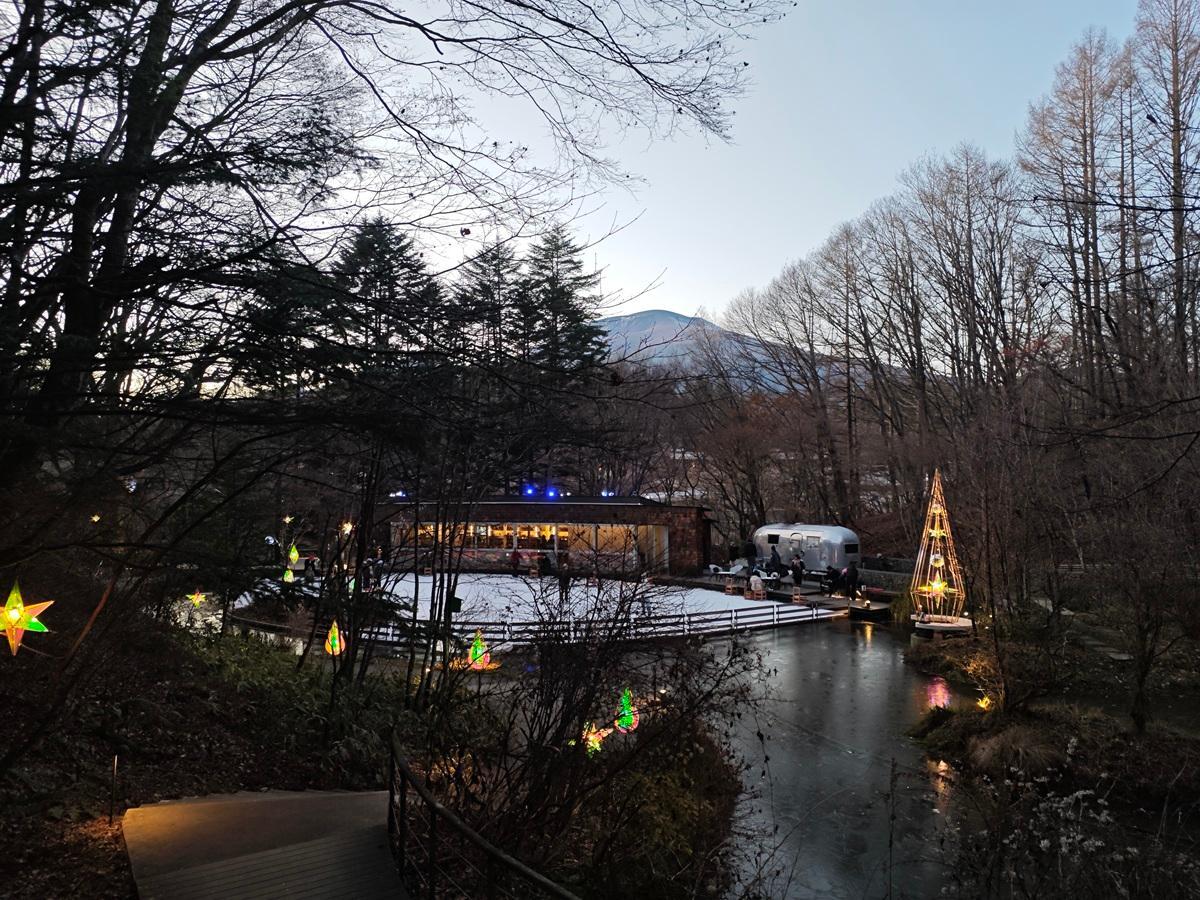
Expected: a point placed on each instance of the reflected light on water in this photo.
(937, 692)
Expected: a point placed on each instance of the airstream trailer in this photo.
(820, 546)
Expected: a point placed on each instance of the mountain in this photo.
(656, 336)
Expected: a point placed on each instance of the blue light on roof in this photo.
(551, 493)
(529, 491)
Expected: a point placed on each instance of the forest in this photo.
(270, 282)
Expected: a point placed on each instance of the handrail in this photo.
(465, 831)
(651, 626)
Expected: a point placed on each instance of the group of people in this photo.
(846, 581)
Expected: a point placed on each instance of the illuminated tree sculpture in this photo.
(333, 641)
(937, 585)
(19, 618)
(627, 720)
(479, 656)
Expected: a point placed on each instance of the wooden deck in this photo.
(307, 845)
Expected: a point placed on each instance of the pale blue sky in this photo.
(846, 94)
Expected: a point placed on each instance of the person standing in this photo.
(776, 562)
(516, 561)
(852, 582)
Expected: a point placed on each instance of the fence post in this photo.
(687, 623)
(775, 614)
(732, 619)
(432, 879)
(391, 820)
(402, 825)
(508, 631)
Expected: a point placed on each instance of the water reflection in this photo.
(836, 714)
(938, 693)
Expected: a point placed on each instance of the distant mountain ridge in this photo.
(656, 336)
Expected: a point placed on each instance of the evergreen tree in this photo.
(489, 292)
(389, 302)
(562, 297)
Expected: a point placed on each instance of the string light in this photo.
(937, 585)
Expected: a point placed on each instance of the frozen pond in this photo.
(836, 712)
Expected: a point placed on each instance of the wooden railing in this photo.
(583, 630)
(440, 857)
(648, 627)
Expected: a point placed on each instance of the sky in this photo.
(845, 95)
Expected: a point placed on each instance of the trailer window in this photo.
(772, 539)
(852, 548)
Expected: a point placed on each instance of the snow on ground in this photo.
(509, 598)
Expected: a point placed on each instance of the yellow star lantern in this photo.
(287, 520)
(937, 585)
(333, 641)
(293, 555)
(197, 598)
(19, 618)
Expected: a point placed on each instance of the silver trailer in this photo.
(820, 546)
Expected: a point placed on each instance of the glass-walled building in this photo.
(605, 534)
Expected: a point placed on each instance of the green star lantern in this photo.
(19, 618)
(293, 555)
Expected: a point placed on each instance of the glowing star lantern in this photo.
(593, 737)
(196, 598)
(937, 584)
(984, 702)
(478, 655)
(347, 527)
(96, 518)
(288, 577)
(293, 555)
(287, 520)
(628, 718)
(333, 641)
(19, 618)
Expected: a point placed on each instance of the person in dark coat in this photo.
(852, 582)
(797, 569)
(776, 563)
(516, 562)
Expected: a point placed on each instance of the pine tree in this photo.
(562, 299)
(389, 300)
(488, 294)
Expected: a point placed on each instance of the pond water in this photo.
(835, 713)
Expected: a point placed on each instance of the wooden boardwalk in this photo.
(309, 845)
